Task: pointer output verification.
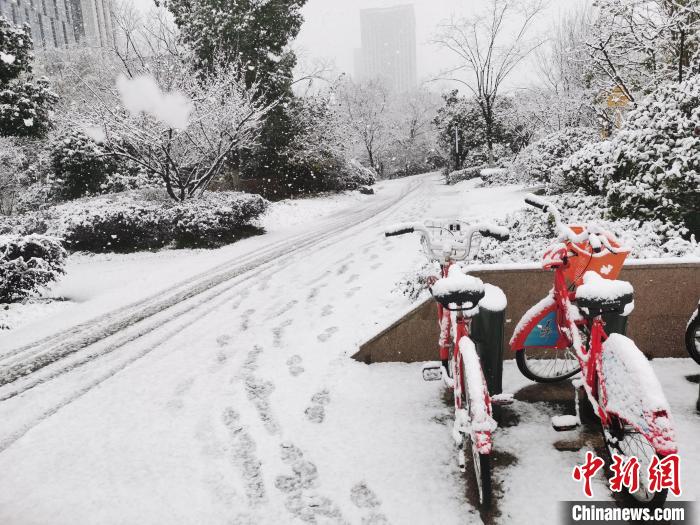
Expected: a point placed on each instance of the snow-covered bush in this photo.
(356, 175)
(657, 158)
(25, 104)
(116, 223)
(531, 233)
(215, 219)
(541, 159)
(466, 174)
(27, 264)
(143, 220)
(588, 169)
(650, 169)
(80, 165)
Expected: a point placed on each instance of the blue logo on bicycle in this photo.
(544, 333)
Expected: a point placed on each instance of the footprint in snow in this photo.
(294, 365)
(342, 269)
(327, 333)
(352, 278)
(352, 291)
(364, 498)
(327, 310)
(245, 323)
(301, 502)
(277, 333)
(376, 265)
(316, 413)
(223, 340)
(180, 390)
(373, 257)
(243, 457)
(314, 292)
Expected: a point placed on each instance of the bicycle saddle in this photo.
(597, 295)
(458, 288)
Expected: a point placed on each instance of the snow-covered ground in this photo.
(216, 386)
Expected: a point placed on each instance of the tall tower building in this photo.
(388, 49)
(58, 23)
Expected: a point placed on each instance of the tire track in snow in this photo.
(86, 334)
(188, 288)
(100, 335)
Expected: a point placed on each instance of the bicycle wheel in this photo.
(624, 440)
(692, 337)
(546, 364)
(481, 462)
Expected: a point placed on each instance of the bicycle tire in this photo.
(481, 463)
(617, 433)
(537, 373)
(692, 337)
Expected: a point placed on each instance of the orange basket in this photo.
(605, 263)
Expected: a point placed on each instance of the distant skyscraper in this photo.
(58, 23)
(388, 46)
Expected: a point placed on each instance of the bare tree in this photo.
(225, 116)
(637, 44)
(366, 107)
(488, 54)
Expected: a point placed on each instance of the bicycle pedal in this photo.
(432, 371)
(461, 460)
(564, 423)
(502, 400)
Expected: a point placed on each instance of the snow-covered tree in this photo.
(182, 132)
(650, 169)
(366, 109)
(638, 44)
(25, 104)
(488, 53)
(541, 160)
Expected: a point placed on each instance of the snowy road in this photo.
(231, 397)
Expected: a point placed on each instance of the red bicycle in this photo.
(618, 380)
(458, 297)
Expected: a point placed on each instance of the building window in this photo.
(53, 32)
(41, 30)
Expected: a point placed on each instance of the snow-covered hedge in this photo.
(539, 161)
(27, 264)
(466, 174)
(143, 220)
(530, 233)
(356, 175)
(650, 169)
(215, 219)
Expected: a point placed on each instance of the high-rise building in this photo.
(58, 23)
(388, 49)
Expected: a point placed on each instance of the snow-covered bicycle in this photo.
(617, 378)
(458, 296)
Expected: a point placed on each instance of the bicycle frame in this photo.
(461, 327)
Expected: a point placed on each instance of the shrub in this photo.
(27, 264)
(466, 174)
(143, 220)
(588, 169)
(80, 166)
(215, 219)
(112, 224)
(538, 161)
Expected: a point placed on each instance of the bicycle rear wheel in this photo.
(692, 337)
(624, 440)
(481, 463)
(546, 364)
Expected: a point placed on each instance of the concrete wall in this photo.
(665, 296)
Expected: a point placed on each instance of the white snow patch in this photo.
(141, 94)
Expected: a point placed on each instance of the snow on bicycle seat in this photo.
(459, 289)
(598, 295)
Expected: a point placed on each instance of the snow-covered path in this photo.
(203, 415)
(240, 404)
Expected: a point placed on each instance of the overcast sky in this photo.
(332, 30)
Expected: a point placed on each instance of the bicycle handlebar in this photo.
(594, 234)
(486, 230)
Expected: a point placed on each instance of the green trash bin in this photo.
(488, 333)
